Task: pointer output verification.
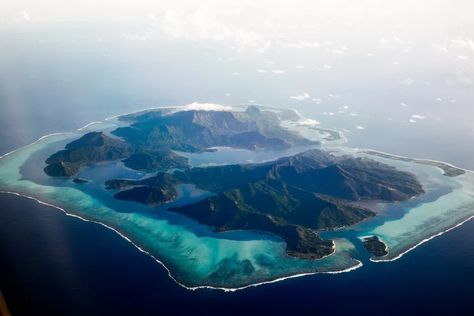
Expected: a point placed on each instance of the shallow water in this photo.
(196, 257)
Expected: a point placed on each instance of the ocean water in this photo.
(62, 265)
(197, 257)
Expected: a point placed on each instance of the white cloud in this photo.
(235, 73)
(317, 101)
(136, 37)
(304, 120)
(465, 80)
(261, 71)
(403, 104)
(338, 51)
(279, 71)
(263, 47)
(411, 121)
(408, 82)
(26, 16)
(397, 44)
(462, 42)
(195, 106)
(202, 24)
(442, 49)
(360, 127)
(301, 44)
(418, 117)
(301, 97)
(462, 57)
(308, 122)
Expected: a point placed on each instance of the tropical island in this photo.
(375, 246)
(295, 197)
(230, 197)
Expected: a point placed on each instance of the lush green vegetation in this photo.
(91, 148)
(147, 144)
(294, 197)
(193, 131)
(375, 246)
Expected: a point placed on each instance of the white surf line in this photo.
(36, 141)
(87, 125)
(358, 265)
(221, 288)
(432, 236)
(420, 160)
(421, 242)
(49, 135)
(342, 140)
(342, 137)
(100, 223)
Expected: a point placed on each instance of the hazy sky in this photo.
(355, 63)
(261, 24)
(245, 13)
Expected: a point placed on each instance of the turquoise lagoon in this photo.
(195, 256)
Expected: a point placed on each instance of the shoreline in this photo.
(231, 289)
(413, 159)
(358, 265)
(80, 129)
(31, 144)
(192, 288)
(363, 239)
(422, 242)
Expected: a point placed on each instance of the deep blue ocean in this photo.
(58, 265)
(52, 264)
